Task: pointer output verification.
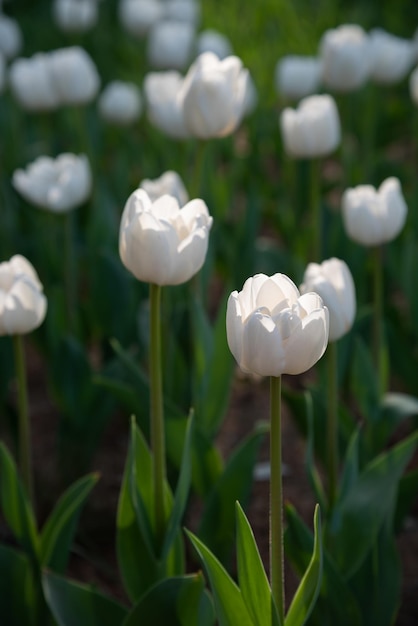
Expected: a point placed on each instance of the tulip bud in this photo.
(372, 217)
(161, 243)
(57, 185)
(213, 41)
(120, 103)
(272, 329)
(10, 36)
(164, 104)
(346, 57)
(297, 76)
(137, 16)
(22, 303)
(214, 95)
(392, 57)
(74, 75)
(313, 129)
(169, 184)
(333, 281)
(75, 16)
(32, 85)
(170, 44)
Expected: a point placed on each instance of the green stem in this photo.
(316, 212)
(276, 498)
(332, 423)
(378, 336)
(70, 270)
(157, 411)
(23, 417)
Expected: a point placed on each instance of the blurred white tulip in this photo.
(170, 44)
(75, 16)
(74, 75)
(137, 16)
(162, 92)
(10, 36)
(168, 183)
(346, 57)
(213, 41)
(120, 103)
(182, 11)
(31, 83)
(392, 57)
(297, 76)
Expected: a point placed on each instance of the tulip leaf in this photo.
(176, 601)
(252, 578)
(230, 607)
(73, 604)
(15, 505)
(364, 383)
(395, 408)
(407, 494)
(351, 465)
(309, 587)
(18, 598)
(58, 531)
(217, 528)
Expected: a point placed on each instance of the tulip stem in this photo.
(332, 423)
(70, 270)
(24, 453)
(378, 336)
(316, 213)
(157, 411)
(276, 499)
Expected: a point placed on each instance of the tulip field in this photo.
(208, 313)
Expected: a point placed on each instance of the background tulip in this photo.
(162, 92)
(313, 129)
(297, 76)
(182, 11)
(161, 243)
(170, 44)
(75, 16)
(74, 75)
(392, 57)
(346, 57)
(372, 217)
(120, 103)
(10, 36)
(333, 281)
(31, 83)
(137, 16)
(212, 41)
(22, 303)
(272, 329)
(57, 185)
(168, 183)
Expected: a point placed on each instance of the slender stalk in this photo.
(332, 422)
(157, 411)
(24, 453)
(276, 498)
(378, 337)
(315, 208)
(70, 270)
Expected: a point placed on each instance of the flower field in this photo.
(208, 313)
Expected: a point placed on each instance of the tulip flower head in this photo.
(75, 75)
(75, 16)
(32, 84)
(120, 103)
(164, 103)
(272, 329)
(297, 76)
(182, 11)
(333, 281)
(168, 183)
(22, 303)
(57, 185)
(10, 36)
(346, 57)
(212, 41)
(161, 243)
(372, 217)
(392, 57)
(170, 44)
(313, 129)
(138, 16)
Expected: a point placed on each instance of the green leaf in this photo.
(73, 604)
(15, 505)
(407, 494)
(395, 408)
(351, 466)
(229, 604)
(17, 589)
(364, 383)
(308, 589)
(71, 378)
(217, 528)
(174, 601)
(252, 578)
(58, 531)
(207, 463)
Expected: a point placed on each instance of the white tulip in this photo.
(392, 57)
(333, 281)
(313, 129)
(272, 329)
(214, 95)
(161, 243)
(57, 185)
(10, 36)
(213, 41)
(372, 217)
(162, 92)
(74, 75)
(297, 76)
(137, 16)
(75, 16)
(169, 184)
(182, 11)
(31, 83)
(22, 303)
(170, 44)
(120, 103)
(413, 85)
(346, 57)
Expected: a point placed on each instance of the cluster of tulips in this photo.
(271, 326)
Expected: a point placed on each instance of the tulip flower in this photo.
(372, 217)
(161, 243)
(392, 57)
(74, 75)
(120, 103)
(182, 11)
(137, 16)
(75, 16)
(164, 104)
(32, 85)
(57, 185)
(10, 36)
(346, 57)
(297, 76)
(212, 41)
(214, 95)
(168, 183)
(170, 44)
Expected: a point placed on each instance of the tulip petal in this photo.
(306, 346)
(262, 350)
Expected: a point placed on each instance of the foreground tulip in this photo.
(392, 57)
(160, 242)
(346, 57)
(10, 36)
(313, 129)
(164, 103)
(297, 76)
(170, 44)
(333, 281)
(57, 185)
(120, 103)
(75, 16)
(214, 96)
(372, 217)
(273, 330)
(168, 183)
